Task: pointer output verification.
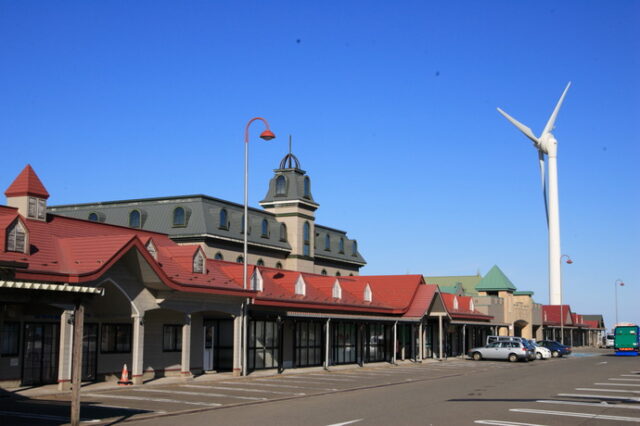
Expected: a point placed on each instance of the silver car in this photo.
(513, 351)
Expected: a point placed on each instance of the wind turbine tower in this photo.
(547, 145)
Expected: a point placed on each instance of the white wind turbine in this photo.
(547, 144)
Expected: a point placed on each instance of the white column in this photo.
(420, 342)
(327, 335)
(64, 357)
(440, 340)
(395, 342)
(237, 343)
(137, 351)
(555, 283)
(185, 369)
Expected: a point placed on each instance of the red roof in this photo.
(27, 183)
(551, 315)
(422, 301)
(464, 310)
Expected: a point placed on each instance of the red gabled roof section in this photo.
(551, 315)
(27, 183)
(464, 311)
(422, 301)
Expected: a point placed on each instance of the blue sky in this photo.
(392, 109)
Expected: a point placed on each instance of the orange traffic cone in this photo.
(124, 377)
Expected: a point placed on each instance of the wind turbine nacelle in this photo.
(548, 144)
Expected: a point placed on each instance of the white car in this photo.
(541, 351)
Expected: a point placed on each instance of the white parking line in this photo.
(208, 394)
(581, 415)
(43, 417)
(630, 375)
(327, 379)
(144, 398)
(589, 404)
(607, 390)
(627, 380)
(243, 389)
(281, 382)
(505, 423)
(617, 398)
(616, 384)
(346, 423)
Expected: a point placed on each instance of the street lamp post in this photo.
(615, 286)
(569, 262)
(267, 135)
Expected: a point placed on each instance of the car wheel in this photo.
(555, 354)
(513, 357)
(477, 356)
(538, 355)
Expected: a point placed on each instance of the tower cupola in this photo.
(290, 184)
(28, 194)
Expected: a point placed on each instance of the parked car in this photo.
(540, 351)
(557, 349)
(509, 350)
(532, 349)
(609, 341)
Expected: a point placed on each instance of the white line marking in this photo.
(616, 384)
(143, 398)
(603, 362)
(590, 404)
(315, 378)
(617, 398)
(281, 386)
(43, 417)
(607, 390)
(505, 423)
(218, 395)
(581, 415)
(629, 375)
(627, 380)
(346, 423)
(284, 380)
(243, 389)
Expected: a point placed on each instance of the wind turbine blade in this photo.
(550, 124)
(544, 184)
(524, 129)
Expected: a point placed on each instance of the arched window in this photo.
(198, 263)
(327, 242)
(17, 237)
(224, 221)
(93, 217)
(306, 239)
(307, 187)
(281, 185)
(134, 219)
(242, 226)
(341, 245)
(240, 259)
(179, 217)
(265, 228)
(278, 265)
(283, 232)
(338, 273)
(324, 272)
(218, 256)
(260, 262)
(354, 249)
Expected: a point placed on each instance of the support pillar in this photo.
(237, 344)
(420, 342)
(185, 369)
(440, 337)
(137, 351)
(76, 365)
(327, 335)
(64, 357)
(395, 342)
(464, 340)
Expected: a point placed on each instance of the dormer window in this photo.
(134, 219)
(93, 217)
(368, 295)
(198, 262)
(151, 248)
(354, 249)
(37, 208)
(179, 217)
(265, 228)
(327, 242)
(224, 219)
(337, 290)
(455, 303)
(341, 245)
(472, 306)
(307, 187)
(281, 185)
(218, 256)
(17, 237)
(301, 287)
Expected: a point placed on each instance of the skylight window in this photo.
(17, 237)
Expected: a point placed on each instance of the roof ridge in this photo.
(27, 183)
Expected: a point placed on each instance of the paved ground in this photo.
(554, 392)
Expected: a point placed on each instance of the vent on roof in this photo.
(198, 262)
(257, 283)
(151, 248)
(455, 303)
(368, 295)
(337, 290)
(301, 286)
(472, 306)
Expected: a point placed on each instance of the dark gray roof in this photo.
(202, 213)
(334, 252)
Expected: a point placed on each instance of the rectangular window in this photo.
(116, 338)
(172, 338)
(10, 339)
(42, 211)
(32, 211)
